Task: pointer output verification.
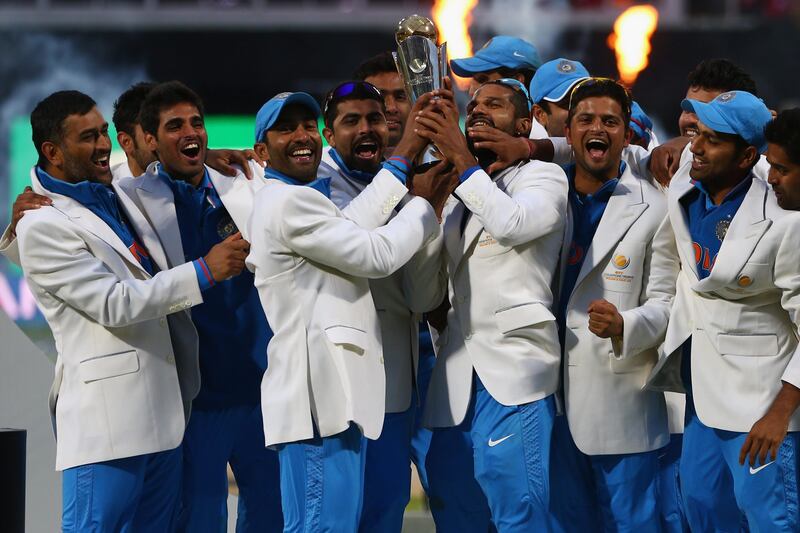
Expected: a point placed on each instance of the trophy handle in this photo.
(444, 65)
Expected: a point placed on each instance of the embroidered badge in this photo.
(226, 227)
(565, 67)
(722, 228)
(621, 262)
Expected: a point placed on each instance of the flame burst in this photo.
(631, 40)
(452, 18)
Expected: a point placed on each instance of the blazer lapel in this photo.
(158, 204)
(679, 187)
(143, 229)
(748, 226)
(84, 217)
(624, 207)
(237, 196)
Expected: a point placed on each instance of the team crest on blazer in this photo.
(621, 262)
(226, 227)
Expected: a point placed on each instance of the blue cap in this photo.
(502, 51)
(641, 124)
(735, 112)
(269, 112)
(555, 78)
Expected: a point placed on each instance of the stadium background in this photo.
(238, 53)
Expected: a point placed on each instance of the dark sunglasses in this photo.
(349, 88)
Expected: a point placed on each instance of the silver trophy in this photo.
(421, 63)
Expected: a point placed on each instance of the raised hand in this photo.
(226, 259)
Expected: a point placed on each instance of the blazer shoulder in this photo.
(538, 168)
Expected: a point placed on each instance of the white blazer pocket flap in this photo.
(349, 337)
(521, 316)
(752, 345)
(109, 366)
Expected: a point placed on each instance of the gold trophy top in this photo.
(416, 25)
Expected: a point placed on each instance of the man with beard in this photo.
(324, 390)
(616, 285)
(129, 132)
(731, 343)
(783, 155)
(381, 72)
(497, 368)
(126, 371)
(193, 208)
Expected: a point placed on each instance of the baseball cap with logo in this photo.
(734, 112)
(554, 79)
(270, 111)
(502, 51)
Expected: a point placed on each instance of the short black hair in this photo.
(127, 106)
(592, 87)
(361, 91)
(721, 75)
(47, 118)
(377, 64)
(163, 96)
(784, 130)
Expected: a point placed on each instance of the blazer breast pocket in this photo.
(109, 366)
(623, 272)
(349, 338)
(487, 246)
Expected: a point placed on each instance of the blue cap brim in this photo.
(708, 116)
(469, 66)
(561, 90)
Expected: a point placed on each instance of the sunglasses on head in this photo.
(590, 82)
(514, 85)
(349, 88)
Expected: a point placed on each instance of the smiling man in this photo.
(616, 285)
(126, 371)
(193, 207)
(731, 343)
(497, 364)
(783, 155)
(325, 388)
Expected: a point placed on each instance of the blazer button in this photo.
(171, 359)
(162, 322)
(468, 336)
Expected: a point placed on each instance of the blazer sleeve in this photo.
(645, 326)
(787, 278)
(424, 279)
(313, 228)
(374, 205)
(536, 207)
(56, 259)
(9, 246)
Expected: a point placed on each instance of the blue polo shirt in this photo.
(708, 224)
(230, 322)
(587, 211)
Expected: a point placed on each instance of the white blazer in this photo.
(312, 264)
(127, 367)
(742, 318)
(632, 265)
(399, 299)
(500, 271)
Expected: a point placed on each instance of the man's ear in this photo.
(749, 157)
(151, 141)
(522, 127)
(261, 150)
(567, 134)
(520, 77)
(328, 134)
(125, 142)
(628, 136)
(540, 115)
(53, 153)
